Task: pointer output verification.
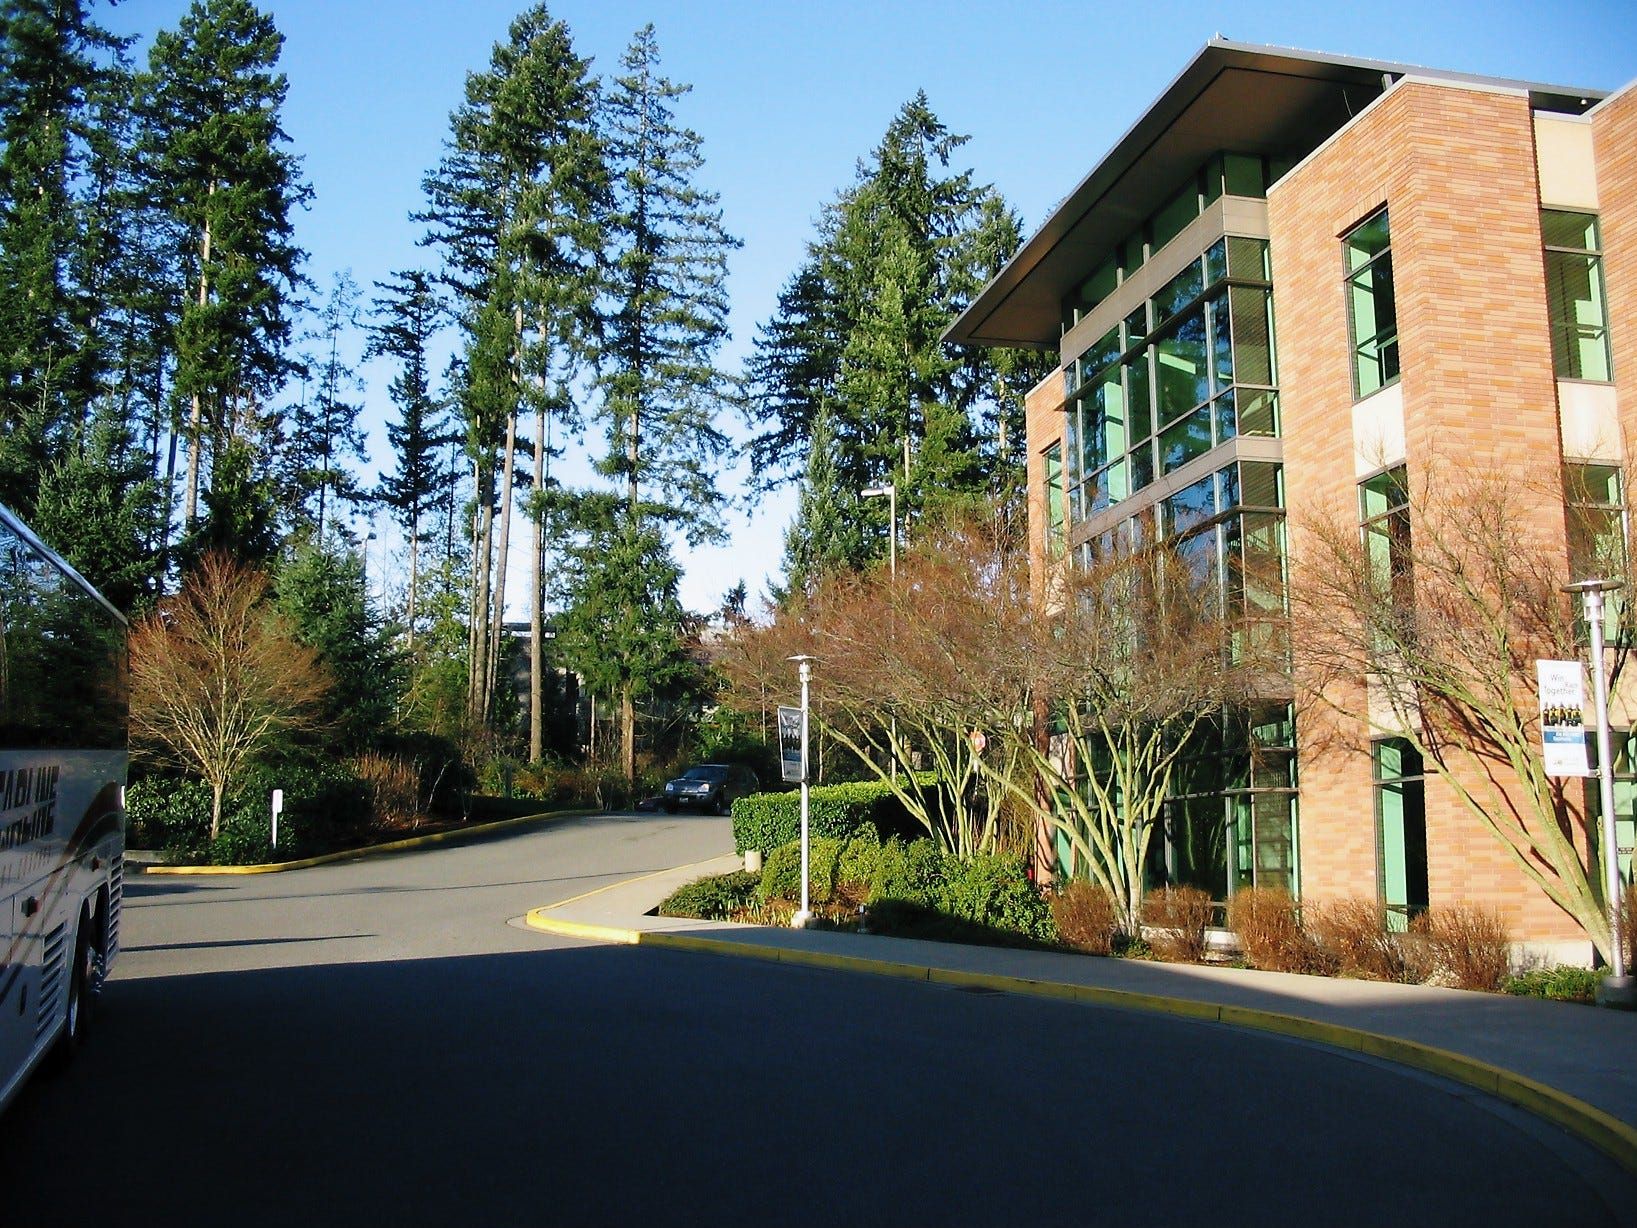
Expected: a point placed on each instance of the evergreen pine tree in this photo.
(48, 366)
(623, 628)
(406, 318)
(218, 162)
(663, 394)
(855, 344)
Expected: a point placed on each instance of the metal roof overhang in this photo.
(1233, 96)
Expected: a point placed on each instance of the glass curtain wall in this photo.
(1187, 371)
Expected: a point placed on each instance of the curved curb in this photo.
(369, 850)
(1607, 1133)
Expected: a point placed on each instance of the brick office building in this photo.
(1298, 278)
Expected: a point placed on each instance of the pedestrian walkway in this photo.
(1576, 1065)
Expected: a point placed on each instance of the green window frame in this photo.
(1400, 789)
(1599, 534)
(1056, 503)
(1384, 518)
(1372, 311)
(1575, 299)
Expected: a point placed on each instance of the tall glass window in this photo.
(1401, 829)
(1371, 310)
(1384, 510)
(1056, 503)
(1596, 516)
(1624, 743)
(1574, 295)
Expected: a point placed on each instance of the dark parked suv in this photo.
(709, 787)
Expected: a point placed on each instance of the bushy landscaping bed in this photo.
(328, 807)
(765, 821)
(914, 890)
(906, 889)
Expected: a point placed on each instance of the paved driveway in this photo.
(357, 1042)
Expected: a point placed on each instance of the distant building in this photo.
(1296, 279)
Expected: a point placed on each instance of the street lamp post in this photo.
(890, 491)
(1618, 988)
(804, 917)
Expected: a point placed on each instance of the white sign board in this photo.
(792, 762)
(1563, 717)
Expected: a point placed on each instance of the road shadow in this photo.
(613, 1085)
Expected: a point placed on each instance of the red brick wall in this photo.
(1043, 423)
(1614, 143)
(1456, 168)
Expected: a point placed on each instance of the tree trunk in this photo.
(497, 617)
(537, 620)
(216, 789)
(194, 411)
(628, 734)
(481, 599)
(414, 573)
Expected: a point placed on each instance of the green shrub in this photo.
(767, 820)
(713, 899)
(912, 873)
(781, 874)
(995, 891)
(165, 812)
(325, 807)
(1561, 984)
(859, 860)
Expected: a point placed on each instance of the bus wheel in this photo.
(82, 978)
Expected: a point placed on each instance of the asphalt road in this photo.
(373, 1042)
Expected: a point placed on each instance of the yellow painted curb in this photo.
(1610, 1135)
(394, 846)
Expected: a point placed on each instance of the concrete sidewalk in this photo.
(1576, 1065)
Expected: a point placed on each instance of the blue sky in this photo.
(788, 96)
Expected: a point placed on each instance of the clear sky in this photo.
(789, 95)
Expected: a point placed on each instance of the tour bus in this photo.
(63, 724)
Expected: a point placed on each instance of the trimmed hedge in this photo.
(767, 820)
(916, 889)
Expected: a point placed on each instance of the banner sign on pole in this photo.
(1563, 717)
(791, 761)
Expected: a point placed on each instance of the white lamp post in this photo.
(804, 916)
(1617, 988)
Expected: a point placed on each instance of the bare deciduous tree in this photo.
(918, 671)
(1439, 638)
(217, 676)
(1132, 655)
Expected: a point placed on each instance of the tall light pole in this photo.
(804, 917)
(1619, 987)
(890, 491)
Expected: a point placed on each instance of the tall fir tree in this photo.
(623, 627)
(664, 396)
(49, 366)
(219, 161)
(855, 344)
(516, 205)
(407, 316)
(322, 437)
